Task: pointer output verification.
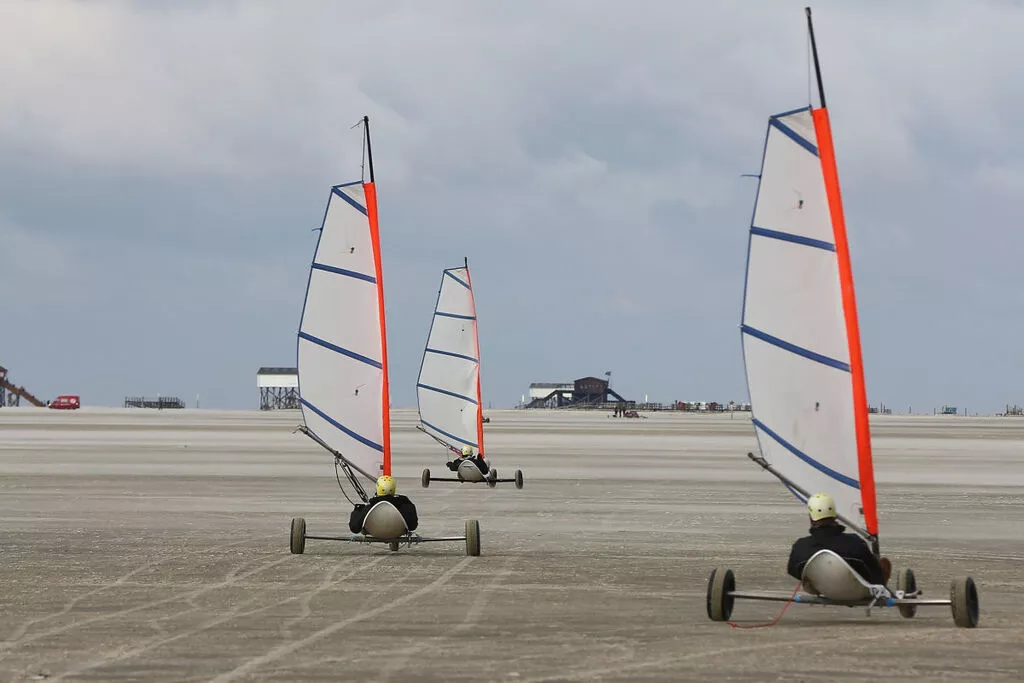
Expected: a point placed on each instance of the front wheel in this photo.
(963, 598)
(298, 540)
(472, 538)
(906, 582)
(425, 479)
(519, 479)
(721, 584)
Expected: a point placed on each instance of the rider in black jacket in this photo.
(467, 454)
(828, 534)
(385, 491)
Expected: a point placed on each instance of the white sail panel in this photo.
(795, 342)
(447, 390)
(341, 377)
(793, 294)
(791, 196)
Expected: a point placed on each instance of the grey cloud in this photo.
(586, 158)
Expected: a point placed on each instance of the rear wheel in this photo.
(472, 538)
(721, 583)
(906, 582)
(394, 546)
(963, 597)
(425, 479)
(298, 541)
(519, 479)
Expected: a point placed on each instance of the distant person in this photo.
(385, 491)
(467, 454)
(828, 534)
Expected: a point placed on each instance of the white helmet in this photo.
(821, 506)
(467, 451)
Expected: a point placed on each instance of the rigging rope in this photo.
(338, 477)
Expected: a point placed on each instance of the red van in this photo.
(66, 403)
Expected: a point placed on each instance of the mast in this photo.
(369, 147)
(479, 368)
(371, 213)
(814, 53)
(826, 152)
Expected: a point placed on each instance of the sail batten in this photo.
(348, 273)
(447, 393)
(795, 239)
(453, 355)
(798, 328)
(798, 350)
(448, 387)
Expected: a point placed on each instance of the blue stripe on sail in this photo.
(789, 113)
(446, 392)
(448, 434)
(342, 271)
(798, 350)
(806, 458)
(452, 354)
(790, 237)
(354, 203)
(337, 349)
(449, 274)
(361, 439)
(455, 315)
(794, 136)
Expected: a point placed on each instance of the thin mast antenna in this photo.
(814, 53)
(369, 148)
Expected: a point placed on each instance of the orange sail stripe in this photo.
(826, 153)
(371, 213)
(479, 370)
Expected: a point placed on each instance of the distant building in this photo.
(586, 392)
(543, 389)
(279, 388)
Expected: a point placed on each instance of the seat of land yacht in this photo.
(384, 520)
(830, 576)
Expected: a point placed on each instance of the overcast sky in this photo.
(163, 166)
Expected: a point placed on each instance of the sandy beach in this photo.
(146, 545)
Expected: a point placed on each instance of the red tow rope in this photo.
(773, 621)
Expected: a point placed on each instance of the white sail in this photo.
(448, 388)
(796, 341)
(341, 354)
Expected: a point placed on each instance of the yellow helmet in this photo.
(386, 486)
(467, 451)
(820, 506)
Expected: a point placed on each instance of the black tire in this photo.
(472, 538)
(425, 479)
(963, 598)
(721, 583)
(519, 479)
(394, 546)
(298, 540)
(906, 582)
(492, 477)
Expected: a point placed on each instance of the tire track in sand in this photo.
(119, 581)
(232, 577)
(287, 649)
(401, 657)
(236, 612)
